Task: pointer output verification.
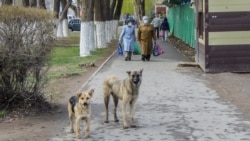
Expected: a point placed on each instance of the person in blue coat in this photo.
(128, 37)
(165, 28)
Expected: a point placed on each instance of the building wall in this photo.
(228, 5)
(228, 31)
(158, 1)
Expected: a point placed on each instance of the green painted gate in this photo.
(182, 23)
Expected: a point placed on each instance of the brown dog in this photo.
(126, 90)
(79, 107)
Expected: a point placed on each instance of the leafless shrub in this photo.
(26, 36)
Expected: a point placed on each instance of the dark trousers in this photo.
(157, 32)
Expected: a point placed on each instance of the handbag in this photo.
(119, 49)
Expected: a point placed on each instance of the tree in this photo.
(61, 17)
(100, 23)
(7, 2)
(33, 3)
(140, 9)
(118, 9)
(26, 3)
(115, 13)
(87, 27)
(42, 4)
(108, 22)
(57, 13)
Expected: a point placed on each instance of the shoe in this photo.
(126, 59)
(143, 57)
(129, 55)
(148, 57)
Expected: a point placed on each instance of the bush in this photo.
(26, 36)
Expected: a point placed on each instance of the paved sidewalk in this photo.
(173, 105)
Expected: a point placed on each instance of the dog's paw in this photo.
(86, 136)
(71, 131)
(133, 126)
(125, 127)
(78, 136)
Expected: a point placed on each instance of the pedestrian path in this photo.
(174, 105)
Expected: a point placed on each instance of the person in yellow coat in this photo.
(145, 37)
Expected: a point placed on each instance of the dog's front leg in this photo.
(132, 112)
(87, 127)
(78, 135)
(124, 117)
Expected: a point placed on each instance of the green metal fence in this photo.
(182, 23)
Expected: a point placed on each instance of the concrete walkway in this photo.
(173, 105)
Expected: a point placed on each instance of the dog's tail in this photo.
(72, 102)
(110, 80)
(108, 83)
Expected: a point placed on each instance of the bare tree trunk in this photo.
(26, 3)
(78, 9)
(33, 3)
(65, 7)
(112, 8)
(7, 2)
(140, 9)
(87, 27)
(100, 23)
(74, 8)
(63, 19)
(56, 8)
(143, 8)
(118, 9)
(42, 4)
(108, 23)
(116, 16)
(58, 30)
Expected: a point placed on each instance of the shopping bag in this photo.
(137, 50)
(161, 34)
(160, 50)
(119, 49)
(157, 50)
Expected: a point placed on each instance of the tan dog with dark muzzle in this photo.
(79, 106)
(126, 90)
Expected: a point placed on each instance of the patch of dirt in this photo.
(39, 126)
(183, 48)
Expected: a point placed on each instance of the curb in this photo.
(99, 68)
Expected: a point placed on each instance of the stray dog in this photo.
(126, 90)
(79, 107)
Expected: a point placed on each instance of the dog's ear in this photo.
(91, 92)
(141, 71)
(129, 72)
(78, 94)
